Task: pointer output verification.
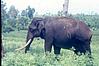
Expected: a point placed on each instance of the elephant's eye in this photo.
(36, 24)
(33, 30)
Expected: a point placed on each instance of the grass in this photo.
(36, 56)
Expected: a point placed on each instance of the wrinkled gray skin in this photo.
(60, 32)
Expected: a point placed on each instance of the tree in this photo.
(60, 13)
(65, 7)
(30, 12)
(22, 23)
(3, 15)
(13, 12)
(3, 11)
(24, 13)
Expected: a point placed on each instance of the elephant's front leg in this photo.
(48, 40)
(48, 46)
(57, 52)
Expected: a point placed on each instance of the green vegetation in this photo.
(36, 56)
(13, 19)
(91, 20)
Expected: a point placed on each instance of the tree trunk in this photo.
(65, 7)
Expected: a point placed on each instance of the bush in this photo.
(91, 20)
(8, 29)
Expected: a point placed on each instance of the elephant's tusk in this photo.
(24, 45)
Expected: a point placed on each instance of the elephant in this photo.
(60, 32)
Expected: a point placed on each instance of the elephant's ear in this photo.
(42, 34)
(40, 25)
(41, 28)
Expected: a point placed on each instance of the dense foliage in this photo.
(15, 20)
(91, 20)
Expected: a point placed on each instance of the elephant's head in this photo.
(36, 29)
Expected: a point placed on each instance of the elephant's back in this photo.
(65, 27)
(65, 22)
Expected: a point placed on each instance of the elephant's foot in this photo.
(57, 57)
(26, 50)
(47, 53)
